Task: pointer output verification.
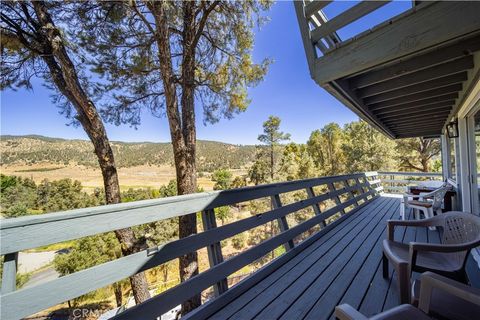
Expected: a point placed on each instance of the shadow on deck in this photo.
(342, 266)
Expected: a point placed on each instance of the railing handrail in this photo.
(21, 233)
(397, 181)
(35, 232)
(412, 174)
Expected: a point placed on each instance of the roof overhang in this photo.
(407, 76)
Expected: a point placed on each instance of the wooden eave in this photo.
(407, 76)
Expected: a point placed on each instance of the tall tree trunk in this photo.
(425, 165)
(188, 182)
(66, 79)
(272, 161)
(182, 131)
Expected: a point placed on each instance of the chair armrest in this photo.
(419, 246)
(430, 281)
(436, 221)
(347, 312)
(410, 195)
(424, 196)
(428, 194)
(407, 196)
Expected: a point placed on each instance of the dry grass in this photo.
(134, 177)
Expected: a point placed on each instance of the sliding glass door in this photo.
(475, 161)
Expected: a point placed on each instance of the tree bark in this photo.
(272, 161)
(117, 290)
(188, 182)
(66, 80)
(182, 124)
(182, 132)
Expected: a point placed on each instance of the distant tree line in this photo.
(334, 150)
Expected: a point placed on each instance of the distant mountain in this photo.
(31, 149)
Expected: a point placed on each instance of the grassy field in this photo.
(133, 177)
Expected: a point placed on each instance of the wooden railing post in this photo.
(282, 222)
(336, 198)
(315, 206)
(374, 181)
(352, 195)
(214, 250)
(9, 276)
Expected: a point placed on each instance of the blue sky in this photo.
(287, 91)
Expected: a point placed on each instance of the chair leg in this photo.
(385, 266)
(416, 213)
(431, 215)
(426, 213)
(403, 278)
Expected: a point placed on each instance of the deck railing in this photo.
(347, 192)
(398, 182)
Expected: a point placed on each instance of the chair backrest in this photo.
(460, 227)
(439, 195)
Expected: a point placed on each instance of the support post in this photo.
(9, 276)
(315, 206)
(352, 195)
(282, 222)
(336, 198)
(445, 157)
(463, 172)
(214, 250)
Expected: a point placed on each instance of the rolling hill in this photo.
(34, 149)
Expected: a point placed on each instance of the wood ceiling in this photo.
(416, 96)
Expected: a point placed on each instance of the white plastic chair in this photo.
(428, 203)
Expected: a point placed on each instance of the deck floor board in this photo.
(343, 266)
(304, 274)
(298, 262)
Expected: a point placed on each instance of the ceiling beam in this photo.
(423, 134)
(418, 103)
(414, 106)
(354, 13)
(416, 134)
(432, 117)
(419, 87)
(416, 124)
(435, 57)
(419, 112)
(339, 89)
(419, 132)
(431, 73)
(421, 28)
(416, 119)
(470, 92)
(453, 89)
(437, 127)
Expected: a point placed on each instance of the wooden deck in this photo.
(342, 266)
